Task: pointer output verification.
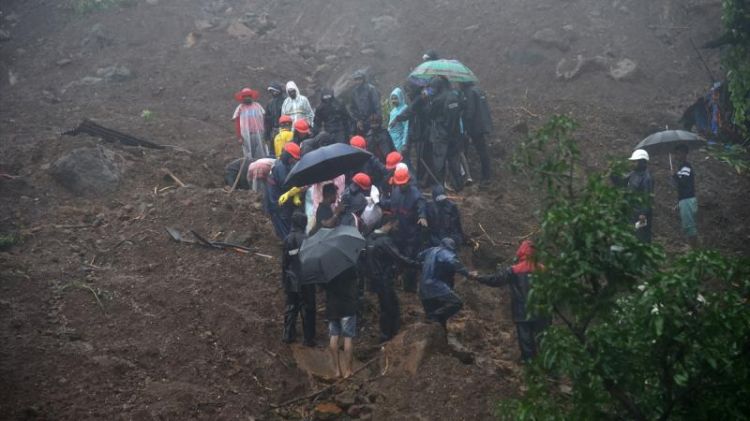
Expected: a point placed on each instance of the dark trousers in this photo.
(390, 316)
(645, 234)
(442, 308)
(303, 303)
(480, 144)
(409, 247)
(528, 332)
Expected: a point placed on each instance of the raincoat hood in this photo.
(399, 131)
(525, 254)
(448, 243)
(327, 92)
(438, 193)
(292, 86)
(275, 86)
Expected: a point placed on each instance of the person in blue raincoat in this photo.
(439, 266)
(281, 215)
(398, 129)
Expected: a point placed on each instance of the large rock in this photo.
(624, 69)
(115, 73)
(87, 171)
(404, 354)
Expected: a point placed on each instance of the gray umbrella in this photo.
(666, 141)
(329, 253)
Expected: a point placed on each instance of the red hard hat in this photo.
(362, 180)
(358, 142)
(285, 119)
(392, 160)
(401, 176)
(301, 126)
(293, 149)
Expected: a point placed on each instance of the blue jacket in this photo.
(408, 206)
(275, 183)
(439, 265)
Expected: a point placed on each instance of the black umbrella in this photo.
(329, 253)
(666, 141)
(326, 163)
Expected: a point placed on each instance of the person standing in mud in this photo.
(379, 142)
(439, 266)
(249, 124)
(281, 213)
(300, 299)
(381, 258)
(341, 311)
(640, 182)
(333, 117)
(417, 151)
(519, 277)
(273, 113)
(687, 204)
(444, 111)
(364, 104)
(477, 122)
(444, 218)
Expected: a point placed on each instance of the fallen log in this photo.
(89, 127)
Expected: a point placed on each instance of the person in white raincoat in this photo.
(296, 105)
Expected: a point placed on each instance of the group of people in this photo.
(422, 145)
(430, 126)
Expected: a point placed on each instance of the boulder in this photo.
(97, 37)
(623, 69)
(87, 171)
(570, 69)
(550, 38)
(115, 74)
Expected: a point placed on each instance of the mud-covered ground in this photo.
(103, 316)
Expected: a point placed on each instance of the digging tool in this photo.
(89, 127)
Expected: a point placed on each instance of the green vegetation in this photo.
(636, 335)
(736, 19)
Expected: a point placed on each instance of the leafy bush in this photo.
(637, 336)
(736, 20)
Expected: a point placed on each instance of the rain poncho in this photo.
(298, 107)
(250, 125)
(439, 265)
(399, 130)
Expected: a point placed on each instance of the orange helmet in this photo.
(293, 149)
(358, 142)
(401, 176)
(362, 180)
(392, 160)
(301, 126)
(285, 119)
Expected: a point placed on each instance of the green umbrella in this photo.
(454, 70)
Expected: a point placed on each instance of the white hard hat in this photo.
(639, 154)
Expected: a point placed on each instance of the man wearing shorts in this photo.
(687, 204)
(341, 311)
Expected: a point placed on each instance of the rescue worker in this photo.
(300, 299)
(439, 266)
(477, 123)
(285, 135)
(430, 55)
(333, 117)
(444, 218)
(519, 278)
(281, 214)
(379, 142)
(417, 150)
(365, 102)
(381, 258)
(407, 204)
(373, 167)
(640, 182)
(273, 113)
(248, 118)
(296, 105)
(302, 131)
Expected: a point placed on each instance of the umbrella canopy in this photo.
(666, 141)
(326, 163)
(329, 253)
(454, 70)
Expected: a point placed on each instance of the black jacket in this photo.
(476, 112)
(444, 112)
(444, 220)
(273, 112)
(333, 117)
(365, 102)
(381, 258)
(416, 115)
(290, 264)
(379, 143)
(519, 290)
